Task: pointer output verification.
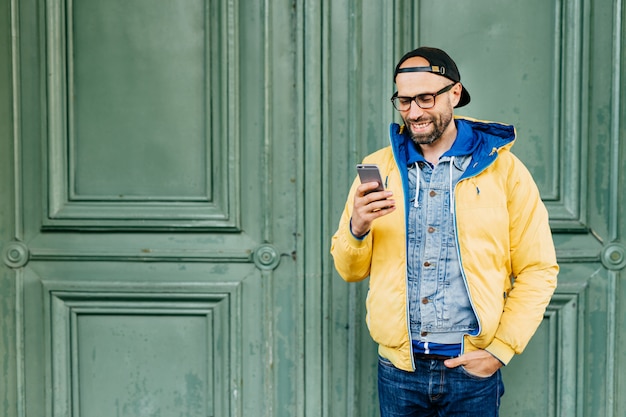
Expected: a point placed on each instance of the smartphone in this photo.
(370, 173)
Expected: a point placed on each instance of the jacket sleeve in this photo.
(533, 265)
(352, 256)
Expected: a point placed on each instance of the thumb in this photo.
(454, 362)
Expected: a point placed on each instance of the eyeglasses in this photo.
(424, 101)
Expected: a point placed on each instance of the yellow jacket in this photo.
(505, 245)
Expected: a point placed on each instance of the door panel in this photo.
(134, 90)
(149, 340)
(133, 87)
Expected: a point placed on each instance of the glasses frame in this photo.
(417, 97)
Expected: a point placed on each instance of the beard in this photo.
(439, 124)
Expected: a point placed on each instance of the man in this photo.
(457, 247)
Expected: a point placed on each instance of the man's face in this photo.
(426, 125)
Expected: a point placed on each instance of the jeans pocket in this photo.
(385, 362)
(474, 376)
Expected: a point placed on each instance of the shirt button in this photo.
(427, 264)
(424, 300)
(424, 334)
(431, 229)
(433, 193)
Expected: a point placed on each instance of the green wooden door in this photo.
(148, 210)
(554, 69)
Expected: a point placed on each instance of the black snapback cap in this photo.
(440, 64)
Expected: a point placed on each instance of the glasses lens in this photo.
(401, 103)
(404, 103)
(426, 101)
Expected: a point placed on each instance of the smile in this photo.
(419, 126)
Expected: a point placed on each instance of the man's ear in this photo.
(456, 94)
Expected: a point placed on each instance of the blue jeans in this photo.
(435, 390)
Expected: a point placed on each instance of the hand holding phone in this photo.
(366, 209)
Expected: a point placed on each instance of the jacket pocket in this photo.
(386, 318)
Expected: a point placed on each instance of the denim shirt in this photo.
(439, 307)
